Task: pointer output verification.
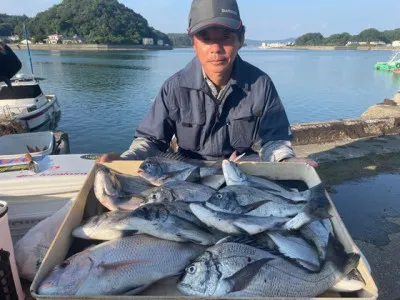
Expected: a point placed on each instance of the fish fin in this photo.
(255, 226)
(120, 264)
(247, 240)
(250, 207)
(134, 290)
(181, 223)
(318, 206)
(173, 155)
(241, 279)
(129, 203)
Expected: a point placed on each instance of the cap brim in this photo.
(229, 23)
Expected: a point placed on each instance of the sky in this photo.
(264, 19)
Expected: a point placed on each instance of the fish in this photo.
(288, 245)
(109, 190)
(234, 176)
(252, 201)
(102, 227)
(159, 170)
(178, 191)
(351, 283)
(233, 223)
(124, 266)
(249, 201)
(171, 221)
(317, 233)
(238, 270)
(297, 249)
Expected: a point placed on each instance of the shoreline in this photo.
(89, 47)
(111, 47)
(330, 48)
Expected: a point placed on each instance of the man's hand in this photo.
(109, 157)
(305, 160)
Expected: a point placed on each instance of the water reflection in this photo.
(364, 204)
(105, 94)
(99, 65)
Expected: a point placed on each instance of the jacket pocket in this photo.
(189, 129)
(241, 126)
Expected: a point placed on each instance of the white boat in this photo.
(36, 143)
(25, 102)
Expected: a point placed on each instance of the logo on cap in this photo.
(229, 11)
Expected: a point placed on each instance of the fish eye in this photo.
(219, 196)
(154, 196)
(145, 209)
(191, 269)
(64, 264)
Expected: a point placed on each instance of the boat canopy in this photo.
(20, 92)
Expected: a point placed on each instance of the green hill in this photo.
(97, 21)
(341, 39)
(8, 23)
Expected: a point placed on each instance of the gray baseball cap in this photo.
(210, 13)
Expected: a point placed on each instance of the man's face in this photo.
(216, 49)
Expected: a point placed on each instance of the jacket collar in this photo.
(192, 75)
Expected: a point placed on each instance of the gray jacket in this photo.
(248, 117)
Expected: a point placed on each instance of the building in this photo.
(25, 42)
(396, 44)
(379, 43)
(160, 43)
(148, 41)
(14, 38)
(76, 39)
(54, 39)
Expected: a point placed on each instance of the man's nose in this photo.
(216, 47)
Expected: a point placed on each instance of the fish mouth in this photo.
(230, 171)
(185, 288)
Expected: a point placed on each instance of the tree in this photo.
(310, 39)
(372, 35)
(339, 39)
(97, 21)
(180, 39)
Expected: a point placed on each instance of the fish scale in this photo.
(120, 266)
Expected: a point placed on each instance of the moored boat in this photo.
(25, 102)
(393, 63)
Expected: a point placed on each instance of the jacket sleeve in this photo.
(155, 132)
(273, 125)
(276, 151)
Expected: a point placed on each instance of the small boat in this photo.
(25, 102)
(34, 143)
(393, 63)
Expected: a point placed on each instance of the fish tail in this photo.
(343, 262)
(318, 206)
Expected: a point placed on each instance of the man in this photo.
(218, 103)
